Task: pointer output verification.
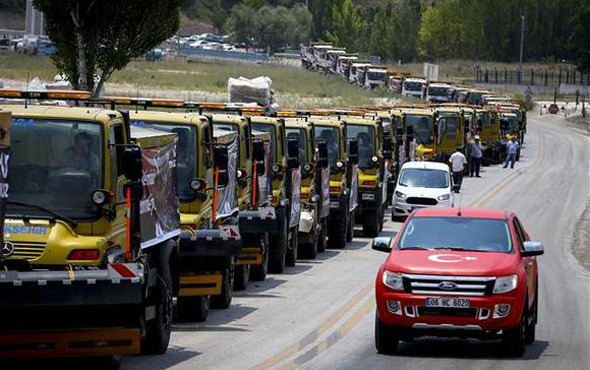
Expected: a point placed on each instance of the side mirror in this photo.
(322, 154)
(132, 163)
(197, 185)
(293, 153)
(532, 249)
(353, 151)
(410, 133)
(387, 147)
(382, 244)
(221, 161)
(456, 188)
(399, 135)
(258, 150)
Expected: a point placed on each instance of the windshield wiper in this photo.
(43, 209)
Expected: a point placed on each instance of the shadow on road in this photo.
(456, 348)
(174, 356)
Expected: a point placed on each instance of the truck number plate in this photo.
(448, 302)
(335, 204)
(368, 196)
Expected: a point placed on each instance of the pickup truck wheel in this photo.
(372, 223)
(241, 277)
(531, 327)
(514, 339)
(293, 246)
(223, 300)
(386, 340)
(193, 309)
(350, 229)
(323, 235)
(278, 251)
(258, 272)
(158, 330)
(337, 233)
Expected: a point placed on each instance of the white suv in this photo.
(422, 184)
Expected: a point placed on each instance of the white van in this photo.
(422, 184)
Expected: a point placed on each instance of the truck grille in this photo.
(28, 251)
(448, 285)
(422, 201)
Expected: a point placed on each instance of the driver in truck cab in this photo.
(80, 155)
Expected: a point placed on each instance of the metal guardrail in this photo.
(223, 54)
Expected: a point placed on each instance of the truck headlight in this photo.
(399, 194)
(375, 159)
(505, 284)
(444, 197)
(393, 280)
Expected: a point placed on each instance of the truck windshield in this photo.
(422, 125)
(424, 178)
(331, 136)
(462, 233)
(365, 136)
(438, 91)
(273, 139)
(55, 164)
(186, 154)
(299, 134)
(413, 86)
(376, 76)
(511, 124)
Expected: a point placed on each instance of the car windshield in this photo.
(422, 125)
(273, 139)
(299, 134)
(186, 154)
(55, 164)
(376, 76)
(365, 136)
(424, 178)
(413, 86)
(463, 233)
(331, 136)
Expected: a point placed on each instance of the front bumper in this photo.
(415, 319)
(401, 208)
(225, 241)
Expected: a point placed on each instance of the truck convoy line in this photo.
(121, 222)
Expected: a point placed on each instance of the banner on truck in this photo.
(296, 197)
(354, 194)
(158, 209)
(227, 201)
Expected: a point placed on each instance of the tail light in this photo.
(370, 183)
(335, 189)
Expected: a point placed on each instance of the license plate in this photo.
(369, 196)
(448, 302)
(334, 204)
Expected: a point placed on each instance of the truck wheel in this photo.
(158, 329)
(350, 229)
(514, 339)
(337, 233)
(258, 272)
(278, 251)
(386, 340)
(321, 241)
(241, 277)
(372, 223)
(530, 331)
(193, 309)
(224, 299)
(291, 258)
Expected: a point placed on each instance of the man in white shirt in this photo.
(458, 162)
(512, 148)
(476, 155)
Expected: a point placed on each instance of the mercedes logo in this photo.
(447, 285)
(7, 249)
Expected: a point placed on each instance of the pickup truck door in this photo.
(529, 263)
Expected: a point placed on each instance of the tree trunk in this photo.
(82, 66)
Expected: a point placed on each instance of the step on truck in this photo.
(315, 188)
(210, 241)
(94, 242)
(331, 129)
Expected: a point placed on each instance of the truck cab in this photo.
(375, 77)
(440, 93)
(420, 122)
(414, 88)
(450, 132)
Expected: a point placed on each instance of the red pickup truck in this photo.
(460, 273)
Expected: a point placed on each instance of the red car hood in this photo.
(445, 262)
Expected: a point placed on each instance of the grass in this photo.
(294, 87)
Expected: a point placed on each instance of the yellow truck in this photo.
(93, 225)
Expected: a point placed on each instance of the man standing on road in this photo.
(476, 155)
(511, 148)
(458, 162)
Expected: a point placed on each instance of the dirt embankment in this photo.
(581, 246)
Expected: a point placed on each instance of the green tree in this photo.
(347, 27)
(100, 36)
(579, 40)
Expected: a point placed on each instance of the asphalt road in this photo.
(320, 314)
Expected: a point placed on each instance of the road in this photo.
(320, 314)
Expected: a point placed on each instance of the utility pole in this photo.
(520, 72)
